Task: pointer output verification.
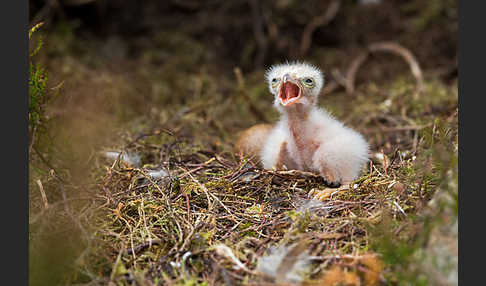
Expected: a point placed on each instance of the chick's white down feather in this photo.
(313, 139)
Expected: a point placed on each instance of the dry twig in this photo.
(319, 21)
(383, 47)
(43, 194)
(258, 32)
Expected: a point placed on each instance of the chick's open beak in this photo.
(290, 90)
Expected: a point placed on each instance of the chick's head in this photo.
(294, 83)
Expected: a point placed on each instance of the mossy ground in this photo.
(108, 223)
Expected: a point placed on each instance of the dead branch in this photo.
(46, 11)
(353, 69)
(43, 193)
(330, 87)
(258, 32)
(77, 2)
(319, 21)
(390, 47)
(241, 84)
(338, 77)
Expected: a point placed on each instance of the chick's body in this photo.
(252, 140)
(318, 144)
(307, 137)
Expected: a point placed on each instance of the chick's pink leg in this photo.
(330, 177)
(334, 185)
(282, 156)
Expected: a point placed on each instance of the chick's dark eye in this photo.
(309, 81)
(274, 80)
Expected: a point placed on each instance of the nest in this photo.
(204, 216)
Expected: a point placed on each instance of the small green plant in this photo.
(39, 93)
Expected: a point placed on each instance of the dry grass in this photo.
(168, 229)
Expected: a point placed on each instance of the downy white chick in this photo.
(307, 137)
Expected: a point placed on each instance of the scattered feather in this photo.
(399, 208)
(249, 176)
(286, 264)
(225, 251)
(379, 156)
(312, 206)
(157, 174)
(132, 159)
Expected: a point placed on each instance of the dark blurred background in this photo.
(253, 34)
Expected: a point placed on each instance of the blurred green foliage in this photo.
(39, 92)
